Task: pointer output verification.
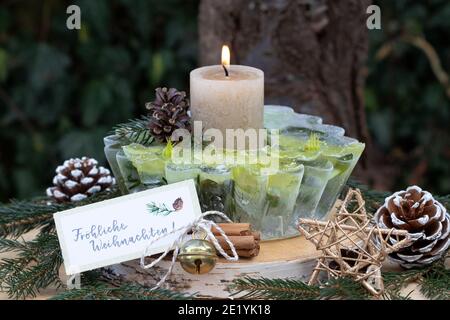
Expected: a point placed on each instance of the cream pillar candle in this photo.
(225, 102)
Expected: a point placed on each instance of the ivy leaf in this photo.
(157, 68)
(3, 65)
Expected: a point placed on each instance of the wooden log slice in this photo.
(291, 258)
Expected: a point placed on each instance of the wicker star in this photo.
(351, 245)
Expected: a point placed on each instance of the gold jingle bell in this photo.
(197, 256)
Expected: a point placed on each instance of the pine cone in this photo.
(168, 112)
(426, 220)
(178, 204)
(78, 179)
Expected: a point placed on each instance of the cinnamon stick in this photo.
(245, 253)
(234, 229)
(245, 241)
(239, 242)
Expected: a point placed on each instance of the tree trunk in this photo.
(313, 52)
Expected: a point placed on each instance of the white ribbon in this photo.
(200, 224)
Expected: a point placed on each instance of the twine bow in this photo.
(200, 224)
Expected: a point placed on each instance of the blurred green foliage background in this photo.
(61, 91)
(407, 107)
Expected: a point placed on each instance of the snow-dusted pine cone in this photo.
(426, 220)
(78, 179)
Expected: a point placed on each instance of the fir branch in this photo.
(288, 289)
(135, 130)
(20, 217)
(10, 245)
(395, 282)
(102, 291)
(159, 209)
(343, 288)
(435, 282)
(35, 267)
(278, 289)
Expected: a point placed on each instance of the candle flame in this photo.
(226, 57)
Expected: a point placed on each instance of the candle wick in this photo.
(227, 73)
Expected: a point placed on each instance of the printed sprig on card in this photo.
(161, 209)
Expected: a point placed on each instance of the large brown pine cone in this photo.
(78, 179)
(426, 220)
(168, 112)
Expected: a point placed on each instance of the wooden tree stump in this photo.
(292, 258)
